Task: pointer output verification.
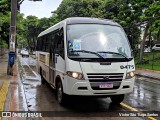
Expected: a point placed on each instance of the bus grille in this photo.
(96, 79)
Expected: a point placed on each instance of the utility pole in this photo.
(12, 37)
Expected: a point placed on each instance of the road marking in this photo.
(139, 79)
(3, 94)
(133, 109)
(37, 76)
(43, 118)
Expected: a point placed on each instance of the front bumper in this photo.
(83, 88)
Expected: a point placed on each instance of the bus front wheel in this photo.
(117, 99)
(61, 97)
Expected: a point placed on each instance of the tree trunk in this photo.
(34, 43)
(158, 36)
(143, 43)
(29, 42)
(150, 39)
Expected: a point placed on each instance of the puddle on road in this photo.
(31, 78)
(26, 83)
(31, 96)
(30, 74)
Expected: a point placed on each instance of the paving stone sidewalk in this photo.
(3, 69)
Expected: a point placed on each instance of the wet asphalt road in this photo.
(145, 97)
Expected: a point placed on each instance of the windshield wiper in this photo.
(85, 51)
(114, 53)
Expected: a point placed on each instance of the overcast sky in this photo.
(40, 8)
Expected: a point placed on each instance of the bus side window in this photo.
(47, 43)
(38, 44)
(52, 50)
(43, 43)
(60, 43)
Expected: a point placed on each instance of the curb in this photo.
(148, 70)
(151, 77)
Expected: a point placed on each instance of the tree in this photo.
(80, 8)
(151, 16)
(21, 39)
(153, 12)
(28, 29)
(31, 31)
(4, 21)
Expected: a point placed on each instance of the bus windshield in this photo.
(97, 41)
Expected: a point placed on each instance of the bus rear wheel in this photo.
(61, 97)
(117, 99)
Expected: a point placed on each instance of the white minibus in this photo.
(86, 57)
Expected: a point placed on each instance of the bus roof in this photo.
(79, 20)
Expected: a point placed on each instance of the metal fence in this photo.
(151, 60)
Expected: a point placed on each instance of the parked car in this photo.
(24, 53)
(156, 47)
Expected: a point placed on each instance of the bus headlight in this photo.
(75, 75)
(130, 75)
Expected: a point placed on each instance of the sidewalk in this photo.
(148, 73)
(3, 69)
(8, 87)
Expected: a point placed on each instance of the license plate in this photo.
(106, 85)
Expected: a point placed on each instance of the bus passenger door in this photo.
(52, 60)
(60, 59)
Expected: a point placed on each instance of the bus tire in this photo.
(61, 97)
(117, 99)
(42, 78)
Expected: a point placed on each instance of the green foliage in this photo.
(4, 6)
(21, 40)
(30, 27)
(4, 20)
(3, 44)
(153, 13)
(80, 8)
